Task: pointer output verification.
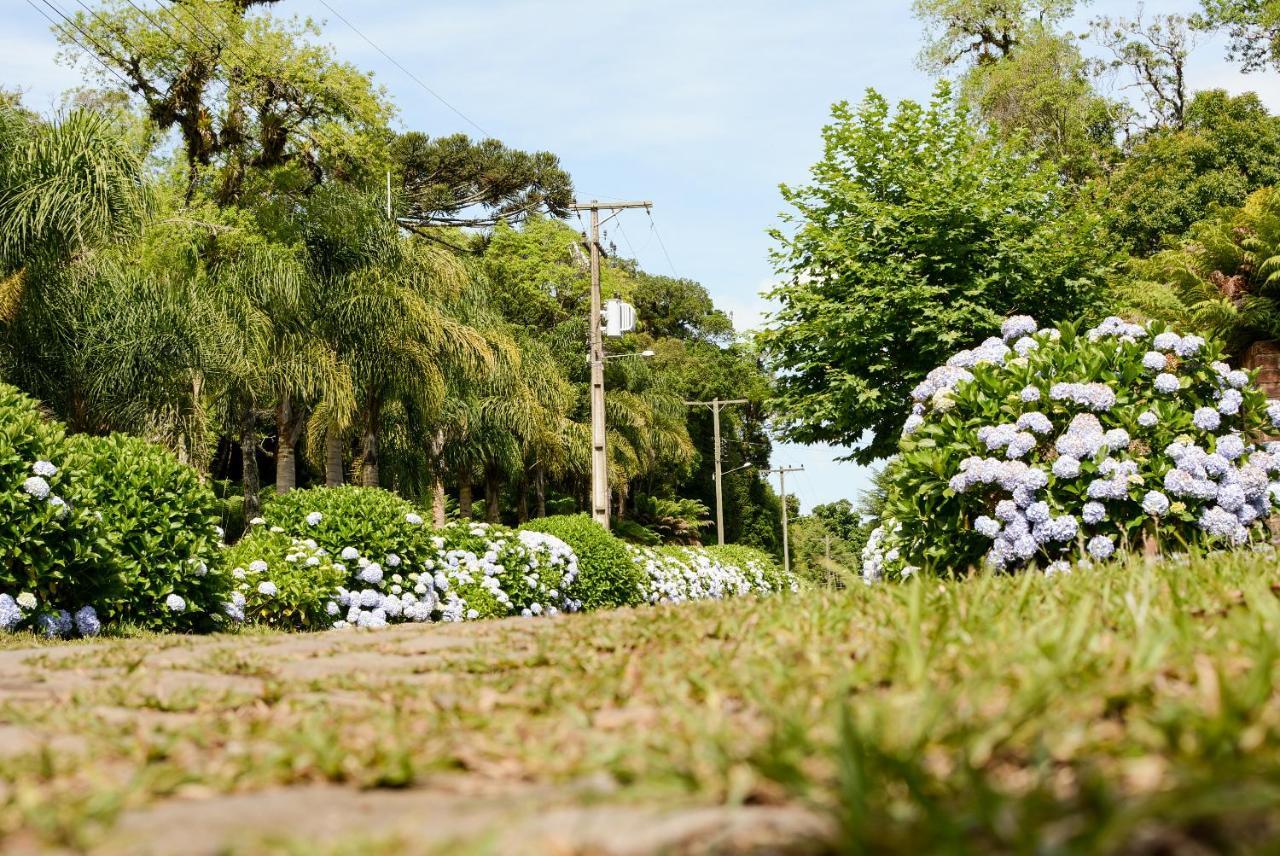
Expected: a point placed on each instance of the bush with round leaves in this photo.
(1044, 446)
(160, 521)
(282, 581)
(607, 576)
(53, 556)
(376, 523)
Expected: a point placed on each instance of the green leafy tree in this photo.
(982, 31)
(456, 181)
(915, 237)
(1043, 96)
(1229, 147)
(1253, 27)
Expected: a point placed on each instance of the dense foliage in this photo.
(160, 522)
(1053, 445)
(934, 231)
(607, 576)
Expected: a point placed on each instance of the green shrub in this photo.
(369, 520)
(283, 581)
(52, 550)
(1062, 445)
(160, 521)
(607, 577)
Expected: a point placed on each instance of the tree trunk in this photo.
(540, 491)
(437, 503)
(464, 496)
(332, 458)
(491, 489)
(249, 464)
(288, 431)
(522, 501)
(369, 464)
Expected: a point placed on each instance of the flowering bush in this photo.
(678, 574)
(1045, 445)
(160, 521)
(373, 521)
(282, 581)
(53, 556)
(607, 576)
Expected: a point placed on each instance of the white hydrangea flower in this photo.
(26, 600)
(314, 518)
(36, 486)
(175, 603)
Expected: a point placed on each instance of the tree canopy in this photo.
(915, 236)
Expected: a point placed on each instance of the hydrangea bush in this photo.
(282, 581)
(160, 521)
(1042, 446)
(607, 575)
(374, 521)
(54, 558)
(679, 574)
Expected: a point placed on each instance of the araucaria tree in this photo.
(916, 235)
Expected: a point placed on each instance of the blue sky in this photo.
(702, 107)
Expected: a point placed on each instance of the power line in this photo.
(410, 74)
(653, 227)
(60, 28)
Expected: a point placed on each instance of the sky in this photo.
(704, 108)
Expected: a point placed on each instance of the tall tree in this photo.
(1153, 52)
(982, 31)
(916, 235)
(1253, 27)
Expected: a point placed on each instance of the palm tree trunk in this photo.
(288, 429)
(369, 464)
(491, 488)
(437, 503)
(464, 495)
(522, 501)
(332, 458)
(251, 485)
(540, 491)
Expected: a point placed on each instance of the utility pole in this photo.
(599, 454)
(782, 489)
(716, 405)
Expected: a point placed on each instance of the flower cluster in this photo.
(680, 574)
(1089, 455)
(23, 611)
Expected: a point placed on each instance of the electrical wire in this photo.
(410, 74)
(70, 37)
(653, 227)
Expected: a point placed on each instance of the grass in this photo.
(1125, 707)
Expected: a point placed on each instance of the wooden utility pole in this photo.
(716, 405)
(782, 489)
(599, 454)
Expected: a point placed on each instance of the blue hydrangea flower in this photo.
(1153, 360)
(1230, 402)
(1166, 383)
(1155, 503)
(371, 573)
(1094, 512)
(1101, 547)
(44, 468)
(1238, 379)
(36, 486)
(1029, 394)
(314, 518)
(1230, 447)
(912, 425)
(413, 519)
(10, 615)
(1188, 346)
(984, 525)
(1035, 422)
(1066, 467)
(87, 623)
(1206, 419)
(267, 588)
(1148, 419)
(1166, 341)
(1017, 326)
